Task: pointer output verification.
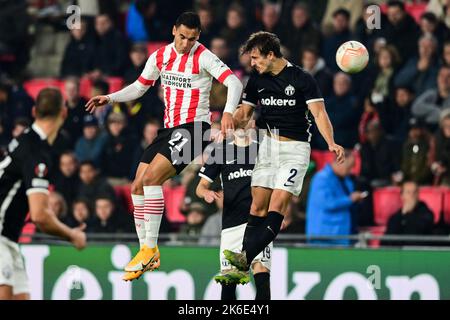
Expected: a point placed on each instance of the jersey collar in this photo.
(39, 131)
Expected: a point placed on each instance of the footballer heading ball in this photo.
(352, 57)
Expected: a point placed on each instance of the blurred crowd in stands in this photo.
(394, 116)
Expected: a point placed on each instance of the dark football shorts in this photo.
(180, 145)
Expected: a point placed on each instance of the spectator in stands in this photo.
(343, 114)
(209, 27)
(353, 7)
(118, 151)
(135, 23)
(73, 124)
(395, 115)
(341, 33)
(195, 218)
(414, 218)
(380, 157)
(14, 37)
(421, 71)
(92, 184)
(149, 134)
(138, 58)
(57, 205)
(270, 18)
(381, 78)
(110, 49)
(218, 95)
(430, 24)
(101, 87)
(80, 213)
(108, 218)
(20, 125)
(432, 102)
(401, 30)
(301, 33)
(14, 103)
(315, 65)
(90, 145)
(446, 54)
(331, 201)
(67, 180)
(370, 114)
(79, 53)
(415, 154)
(235, 32)
(441, 144)
(365, 33)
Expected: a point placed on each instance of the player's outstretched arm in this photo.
(326, 128)
(49, 223)
(203, 191)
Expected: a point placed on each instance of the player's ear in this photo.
(33, 112)
(174, 30)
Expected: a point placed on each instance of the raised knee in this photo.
(137, 187)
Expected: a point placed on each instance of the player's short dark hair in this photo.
(342, 12)
(49, 103)
(396, 3)
(265, 42)
(22, 121)
(189, 19)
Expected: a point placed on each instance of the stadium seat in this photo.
(386, 201)
(28, 230)
(414, 9)
(115, 84)
(32, 87)
(155, 45)
(434, 198)
(446, 206)
(126, 196)
(321, 158)
(173, 198)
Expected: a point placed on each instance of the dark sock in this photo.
(252, 227)
(266, 233)
(228, 292)
(262, 281)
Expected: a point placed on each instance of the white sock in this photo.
(138, 203)
(153, 211)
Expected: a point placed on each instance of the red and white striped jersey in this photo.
(186, 80)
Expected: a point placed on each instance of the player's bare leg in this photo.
(6, 292)
(155, 174)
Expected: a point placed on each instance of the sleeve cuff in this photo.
(206, 177)
(37, 190)
(249, 103)
(315, 100)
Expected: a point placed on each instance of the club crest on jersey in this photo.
(41, 170)
(289, 90)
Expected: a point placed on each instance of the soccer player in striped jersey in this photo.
(185, 68)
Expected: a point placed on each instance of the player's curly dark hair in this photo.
(265, 42)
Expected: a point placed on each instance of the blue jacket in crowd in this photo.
(328, 210)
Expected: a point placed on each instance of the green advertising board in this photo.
(60, 272)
